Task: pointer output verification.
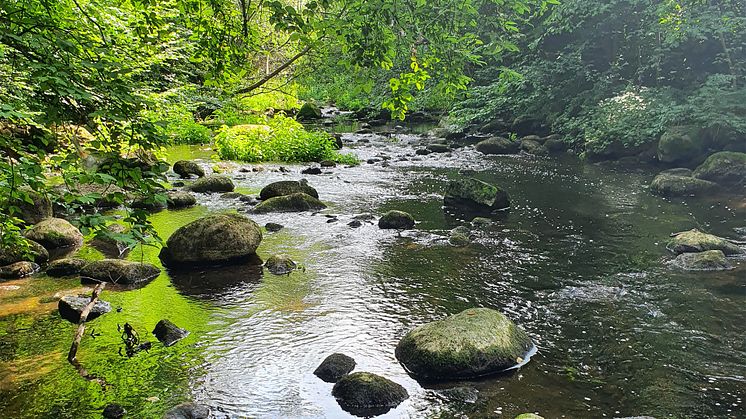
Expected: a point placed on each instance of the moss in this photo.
(308, 112)
(694, 241)
(470, 192)
(529, 416)
(396, 220)
(296, 202)
(472, 343)
(36, 253)
(668, 185)
(287, 187)
(54, 233)
(680, 144)
(212, 183)
(66, 267)
(710, 260)
(725, 168)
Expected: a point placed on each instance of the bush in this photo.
(279, 139)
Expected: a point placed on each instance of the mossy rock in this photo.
(55, 233)
(148, 203)
(533, 146)
(725, 168)
(287, 187)
(66, 267)
(177, 200)
(473, 343)
(187, 168)
(280, 264)
(334, 367)
(212, 183)
(273, 227)
(308, 112)
(670, 185)
(709, 260)
(498, 145)
(364, 390)
(681, 144)
(18, 270)
(189, 411)
(12, 254)
(438, 148)
(39, 209)
(214, 238)
(470, 192)
(529, 416)
(694, 241)
(396, 220)
(296, 202)
(71, 307)
(118, 271)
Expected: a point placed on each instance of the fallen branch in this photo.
(71, 356)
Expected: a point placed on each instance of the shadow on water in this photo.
(212, 282)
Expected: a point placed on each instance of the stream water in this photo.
(578, 262)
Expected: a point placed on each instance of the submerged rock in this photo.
(18, 270)
(334, 367)
(472, 343)
(726, 168)
(178, 200)
(66, 267)
(498, 145)
(36, 253)
(55, 233)
(474, 193)
(460, 394)
(287, 187)
(71, 307)
(118, 271)
(460, 237)
(168, 333)
(189, 411)
(296, 202)
(273, 227)
(363, 390)
(694, 241)
(709, 260)
(670, 184)
(211, 184)
(186, 168)
(396, 220)
(280, 264)
(214, 238)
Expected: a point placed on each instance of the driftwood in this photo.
(71, 356)
(736, 242)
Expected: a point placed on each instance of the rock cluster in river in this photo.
(698, 251)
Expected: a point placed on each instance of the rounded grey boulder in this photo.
(186, 168)
(396, 220)
(287, 187)
(212, 183)
(55, 233)
(334, 367)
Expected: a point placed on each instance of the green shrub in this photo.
(189, 132)
(279, 139)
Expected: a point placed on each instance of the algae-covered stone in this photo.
(693, 241)
(168, 333)
(396, 220)
(178, 200)
(71, 307)
(12, 254)
(280, 264)
(364, 390)
(187, 168)
(214, 238)
(18, 270)
(709, 260)
(273, 227)
(118, 271)
(287, 187)
(472, 192)
(66, 267)
(498, 145)
(529, 416)
(212, 183)
(308, 112)
(726, 168)
(296, 202)
(669, 185)
(681, 144)
(334, 367)
(472, 343)
(55, 233)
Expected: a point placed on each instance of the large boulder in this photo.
(670, 184)
(215, 238)
(308, 112)
(66, 267)
(189, 411)
(681, 145)
(725, 168)
(334, 367)
(472, 192)
(498, 145)
(71, 307)
(55, 233)
(396, 220)
(118, 271)
(212, 183)
(287, 187)
(470, 344)
(187, 168)
(709, 260)
(366, 391)
(168, 333)
(177, 200)
(39, 209)
(296, 202)
(18, 270)
(12, 254)
(694, 241)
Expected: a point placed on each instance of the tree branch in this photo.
(274, 73)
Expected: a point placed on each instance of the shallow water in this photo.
(577, 262)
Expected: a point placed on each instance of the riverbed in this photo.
(578, 262)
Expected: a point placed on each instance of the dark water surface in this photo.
(577, 262)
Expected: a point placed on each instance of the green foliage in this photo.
(281, 139)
